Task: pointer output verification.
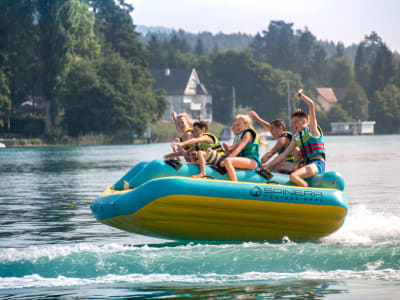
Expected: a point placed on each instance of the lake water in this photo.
(52, 247)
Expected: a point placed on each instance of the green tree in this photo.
(199, 48)
(386, 111)
(319, 66)
(355, 102)
(304, 53)
(256, 47)
(335, 114)
(62, 25)
(341, 72)
(364, 61)
(5, 102)
(384, 69)
(280, 45)
(256, 85)
(108, 96)
(157, 57)
(115, 28)
(18, 40)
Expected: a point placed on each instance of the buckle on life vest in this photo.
(174, 163)
(265, 173)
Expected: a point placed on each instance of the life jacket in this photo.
(309, 145)
(182, 137)
(290, 156)
(252, 149)
(215, 146)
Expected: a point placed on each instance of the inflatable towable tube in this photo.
(146, 171)
(185, 208)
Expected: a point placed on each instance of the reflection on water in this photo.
(46, 192)
(286, 289)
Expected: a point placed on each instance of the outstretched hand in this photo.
(254, 115)
(298, 94)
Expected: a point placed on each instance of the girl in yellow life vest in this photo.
(243, 154)
(283, 138)
(308, 138)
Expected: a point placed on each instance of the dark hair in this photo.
(279, 122)
(299, 114)
(201, 125)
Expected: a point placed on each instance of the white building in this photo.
(353, 128)
(184, 92)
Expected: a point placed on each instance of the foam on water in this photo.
(37, 281)
(365, 226)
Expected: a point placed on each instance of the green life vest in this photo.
(252, 149)
(309, 145)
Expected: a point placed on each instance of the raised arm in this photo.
(311, 112)
(257, 118)
(173, 116)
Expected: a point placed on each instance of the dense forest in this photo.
(72, 67)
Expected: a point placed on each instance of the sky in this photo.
(347, 21)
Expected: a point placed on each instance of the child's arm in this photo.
(257, 118)
(173, 116)
(188, 135)
(204, 138)
(311, 113)
(236, 149)
(280, 157)
(278, 146)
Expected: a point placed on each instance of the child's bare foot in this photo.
(198, 176)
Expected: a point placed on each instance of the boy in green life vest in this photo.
(308, 137)
(283, 139)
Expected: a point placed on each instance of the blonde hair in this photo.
(186, 116)
(246, 120)
(249, 124)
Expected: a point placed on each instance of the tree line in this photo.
(73, 67)
(368, 72)
(79, 66)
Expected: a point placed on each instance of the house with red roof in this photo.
(326, 97)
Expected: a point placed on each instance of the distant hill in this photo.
(222, 41)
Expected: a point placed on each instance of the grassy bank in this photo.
(166, 131)
(160, 132)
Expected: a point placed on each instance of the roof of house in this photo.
(174, 81)
(201, 89)
(326, 93)
(340, 93)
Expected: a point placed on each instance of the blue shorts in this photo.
(320, 164)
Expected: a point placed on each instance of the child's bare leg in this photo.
(232, 163)
(307, 171)
(227, 163)
(202, 164)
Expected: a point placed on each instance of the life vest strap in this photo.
(265, 173)
(174, 163)
(219, 169)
